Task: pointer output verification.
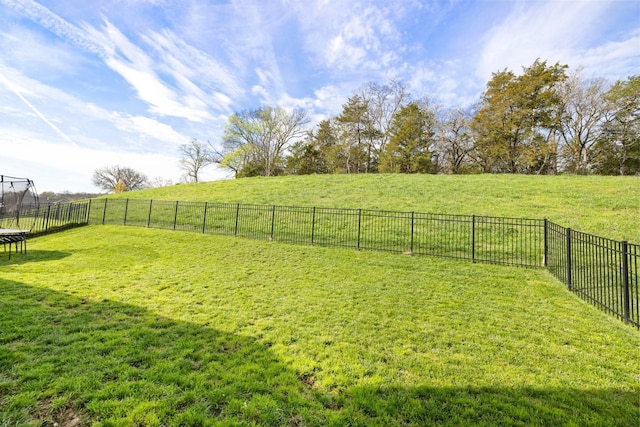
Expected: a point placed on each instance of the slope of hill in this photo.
(607, 206)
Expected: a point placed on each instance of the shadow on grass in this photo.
(75, 361)
(18, 258)
(495, 406)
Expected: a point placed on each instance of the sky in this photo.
(89, 84)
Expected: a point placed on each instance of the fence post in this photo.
(87, 215)
(359, 224)
(313, 224)
(235, 232)
(473, 238)
(149, 216)
(46, 225)
(625, 281)
(204, 219)
(104, 212)
(126, 209)
(569, 279)
(273, 220)
(545, 261)
(412, 227)
(175, 216)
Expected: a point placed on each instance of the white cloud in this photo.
(64, 112)
(18, 92)
(550, 30)
(330, 98)
(616, 59)
(136, 79)
(89, 137)
(188, 65)
(350, 36)
(241, 35)
(137, 68)
(54, 23)
(49, 162)
(27, 49)
(148, 129)
(65, 167)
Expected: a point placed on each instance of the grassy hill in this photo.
(607, 206)
(130, 326)
(111, 325)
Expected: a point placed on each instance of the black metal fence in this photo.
(600, 270)
(48, 219)
(513, 241)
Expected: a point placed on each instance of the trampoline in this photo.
(18, 211)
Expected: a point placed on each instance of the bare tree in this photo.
(584, 106)
(454, 142)
(195, 156)
(160, 182)
(118, 179)
(382, 102)
(618, 146)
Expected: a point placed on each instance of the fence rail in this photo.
(599, 270)
(48, 219)
(513, 241)
(602, 271)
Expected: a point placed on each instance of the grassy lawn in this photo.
(112, 325)
(606, 206)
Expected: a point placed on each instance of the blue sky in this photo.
(87, 84)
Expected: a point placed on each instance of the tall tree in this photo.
(259, 139)
(411, 136)
(305, 158)
(354, 131)
(194, 156)
(619, 143)
(365, 122)
(517, 118)
(583, 110)
(117, 179)
(454, 143)
(383, 102)
(238, 159)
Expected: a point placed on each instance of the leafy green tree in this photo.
(411, 136)
(316, 153)
(234, 158)
(363, 126)
(619, 143)
(517, 119)
(355, 131)
(328, 143)
(383, 102)
(257, 140)
(305, 159)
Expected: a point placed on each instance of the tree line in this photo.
(545, 120)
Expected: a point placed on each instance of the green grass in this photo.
(112, 325)
(606, 206)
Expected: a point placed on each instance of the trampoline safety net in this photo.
(18, 201)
